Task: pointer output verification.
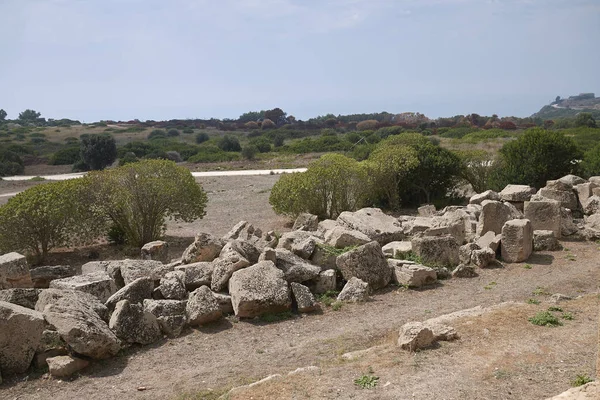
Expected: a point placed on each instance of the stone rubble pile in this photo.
(63, 318)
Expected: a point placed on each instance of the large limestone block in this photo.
(157, 250)
(224, 268)
(197, 274)
(24, 297)
(170, 314)
(341, 237)
(51, 296)
(206, 247)
(202, 307)
(135, 292)
(517, 240)
(412, 275)
(437, 250)
(326, 281)
(517, 193)
(566, 198)
(585, 191)
(306, 222)
(259, 289)
(42, 276)
(374, 223)
(487, 195)
(366, 263)
(493, 216)
(592, 205)
(133, 269)
(20, 334)
(397, 249)
(172, 286)
(79, 325)
(294, 268)
(544, 215)
(305, 301)
(98, 284)
(132, 324)
(14, 271)
(355, 290)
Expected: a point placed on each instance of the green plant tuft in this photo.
(367, 381)
(545, 318)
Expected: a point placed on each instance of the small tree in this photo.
(47, 216)
(585, 119)
(202, 137)
(98, 151)
(29, 116)
(331, 185)
(591, 162)
(3, 115)
(10, 163)
(267, 124)
(367, 125)
(249, 152)
(229, 143)
(138, 197)
(479, 169)
(538, 156)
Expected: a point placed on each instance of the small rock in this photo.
(304, 298)
(354, 291)
(65, 366)
(156, 250)
(202, 307)
(464, 271)
(415, 336)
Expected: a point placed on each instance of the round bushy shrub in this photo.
(67, 156)
(229, 143)
(202, 137)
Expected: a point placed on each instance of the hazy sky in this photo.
(162, 59)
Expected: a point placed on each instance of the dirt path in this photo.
(500, 355)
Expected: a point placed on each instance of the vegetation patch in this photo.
(545, 318)
(367, 381)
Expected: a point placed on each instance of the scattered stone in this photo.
(134, 269)
(464, 271)
(98, 284)
(156, 250)
(51, 296)
(80, 326)
(41, 276)
(20, 333)
(592, 205)
(268, 254)
(517, 193)
(259, 289)
(241, 247)
(306, 222)
(465, 252)
(397, 249)
(326, 226)
(172, 286)
(544, 215)
(304, 298)
(557, 298)
(415, 336)
(487, 195)
(21, 296)
(313, 370)
(224, 300)
(439, 250)
(567, 226)
(170, 315)
(206, 247)
(224, 269)
(134, 325)
(51, 345)
(517, 240)
(414, 276)
(202, 307)
(493, 216)
(483, 257)
(572, 180)
(374, 223)
(427, 210)
(355, 290)
(294, 268)
(366, 263)
(566, 198)
(135, 292)
(341, 238)
(326, 281)
(65, 366)
(545, 240)
(441, 332)
(585, 191)
(14, 271)
(490, 240)
(196, 274)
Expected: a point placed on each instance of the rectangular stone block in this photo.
(14, 271)
(544, 215)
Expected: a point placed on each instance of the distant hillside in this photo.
(571, 106)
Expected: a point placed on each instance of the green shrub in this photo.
(267, 124)
(202, 137)
(480, 169)
(66, 156)
(37, 135)
(458, 133)
(46, 216)
(209, 153)
(98, 151)
(229, 143)
(590, 165)
(138, 197)
(369, 124)
(331, 185)
(581, 380)
(545, 318)
(173, 133)
(128, 158)
(10, 163)
(157, 134)
(538, 156)
(187, 130)
(262, 144)
(249, 152)
(389, 131)
(482, 135)
(38, 140)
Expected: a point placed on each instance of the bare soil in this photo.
(500, 355)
